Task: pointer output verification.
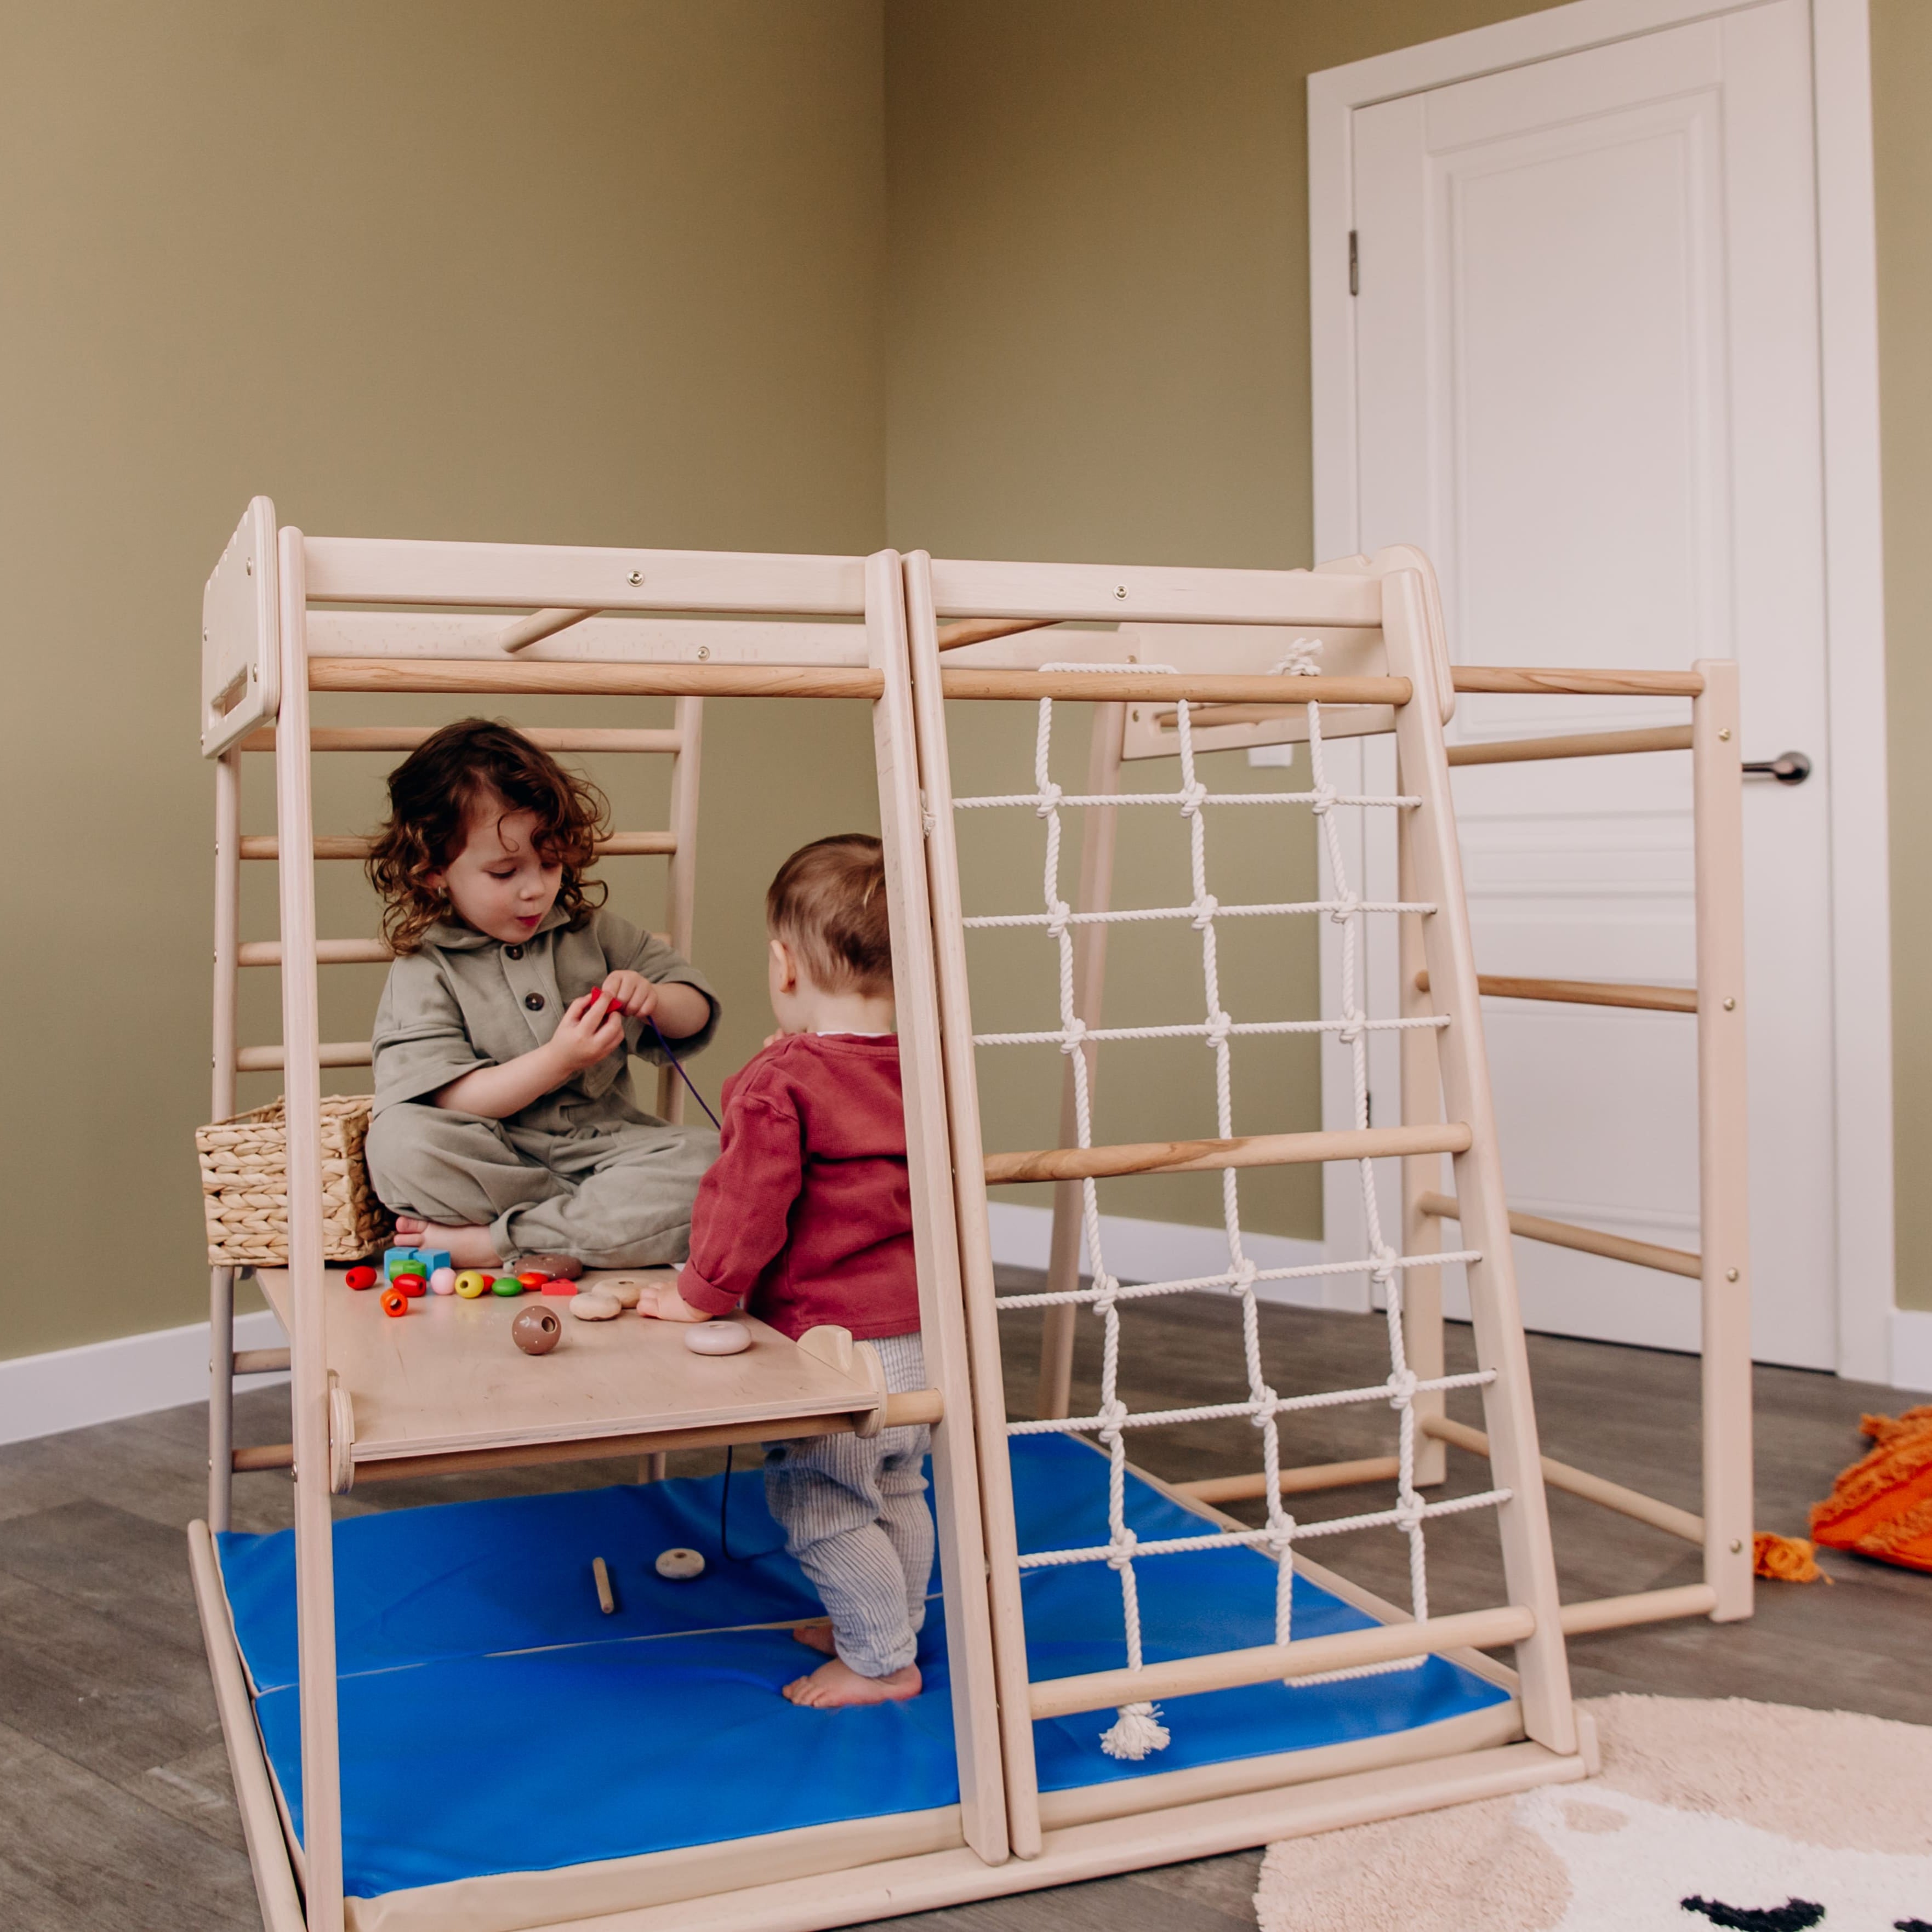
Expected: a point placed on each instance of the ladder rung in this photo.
(619, 845)
(1583, 992)
(1535, 679)
(1585, 1240)
(407, 737)
(1575, 745)
(1246, 1151)
(334, 1053)
(328, 952)
(587, 678)
(268, 1455)
(1197, 687)
(260, 1361)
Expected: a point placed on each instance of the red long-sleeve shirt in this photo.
(806, 1214)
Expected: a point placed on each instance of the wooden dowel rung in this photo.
(582, 677)
(1293, 1482)
(1646, 1606)
(407, 737)
(1582, 992)
(1347, 1650)
(334, 1053)
(1520, 678)
(266, 1456)
(959, 630)
(328, 952)
(1576, 1482)
(1578, 745)
(619, 845)
(1584, 1240)
(260, 1361)
(1247, 1150)
(538, 625)
(1144, 687)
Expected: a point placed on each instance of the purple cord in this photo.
(678, 1064)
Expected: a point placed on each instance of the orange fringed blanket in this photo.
(1882, 1506)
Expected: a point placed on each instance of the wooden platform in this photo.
(445, 1387)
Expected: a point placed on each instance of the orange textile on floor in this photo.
(1784, 1559)
(1882, 1506)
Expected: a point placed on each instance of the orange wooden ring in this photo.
(395, 1301)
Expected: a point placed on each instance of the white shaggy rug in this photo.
(1758, 1817)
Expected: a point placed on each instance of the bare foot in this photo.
(834, 1684)
(468, 1247)
(815, 1636)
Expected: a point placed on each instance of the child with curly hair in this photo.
(504, 1128)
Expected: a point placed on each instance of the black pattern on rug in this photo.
(1794, 1914)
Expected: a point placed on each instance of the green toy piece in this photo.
(506, 1285)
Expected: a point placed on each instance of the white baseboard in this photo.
(133, 1375)
(1912, 1348)
(1171, 1251)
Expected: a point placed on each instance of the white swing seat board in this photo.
(446, 1378)
(502, 1739)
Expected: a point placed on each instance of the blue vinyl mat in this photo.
(493, 1720)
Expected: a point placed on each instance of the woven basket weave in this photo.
(245, 1185)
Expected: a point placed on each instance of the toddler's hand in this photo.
(590, 1030)
(661, 1302)
(632, 994)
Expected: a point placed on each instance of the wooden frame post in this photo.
(221, 1084)
(681, 873)
(1099, 837)
(1722, 1132)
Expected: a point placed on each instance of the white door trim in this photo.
(1855, 599)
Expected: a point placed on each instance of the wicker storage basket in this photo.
(245, 1185)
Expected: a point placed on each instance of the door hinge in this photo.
(1354, 265)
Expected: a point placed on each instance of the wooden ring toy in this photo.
(536, 1330)
(680, 1566)
(718, 1338)
(472, 1282)
(594, 1307)
(395, 1301)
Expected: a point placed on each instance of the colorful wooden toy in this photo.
(362, 1277)
(718, 1338)
(536, 1330)
(472, 1282)
(432, 1259)
(557, 1286)
(395, 1258)
(533, 1278)
(628, 1290)
(507, 1285)
(395, 1301)
(594, 1307)
(443, 1281)
(416, 1286)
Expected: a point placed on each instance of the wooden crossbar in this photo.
(333, 1053)
(1292, 1482)
(1646, 1606)
(1576, 744)
(1244, 1150)
(1520, 679)
(407, 737)
(1582, 992)
(961, 631)
(1309, 1656)
(619, 845)
(1576, 1482)
(1584, 1240)
(578, 677)
(328, 952)
(260, 1361)
(539, 625)
(1146, 687)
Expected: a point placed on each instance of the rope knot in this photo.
(1112, 1417)
(1050, 796)
(1301, 659)
(1266, 1401)
(1120, 1551)
(1243, 1273)
(1402, 1388)
(1219, 1025)
(1345, 908)
(1058, 916)
(1191, 798)
(1204, 908)
(1321, 800)
(1073, 1035)
(1410, 1512)
(1353, 1026)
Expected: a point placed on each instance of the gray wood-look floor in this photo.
(114, 1804)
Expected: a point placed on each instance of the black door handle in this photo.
(1788, 767)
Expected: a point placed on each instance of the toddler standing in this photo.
(505, 1129)
(806, 1218)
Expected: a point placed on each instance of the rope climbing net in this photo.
(1138, 1729)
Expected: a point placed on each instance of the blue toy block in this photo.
(393, 1257)
(432, 1259)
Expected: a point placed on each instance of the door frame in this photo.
(1855, 729)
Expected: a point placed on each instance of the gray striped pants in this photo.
(855, 1519)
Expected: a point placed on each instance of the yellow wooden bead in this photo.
(472, 1282)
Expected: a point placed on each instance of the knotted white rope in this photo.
(1137, 1729)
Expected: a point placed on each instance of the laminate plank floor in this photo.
(114, 1794)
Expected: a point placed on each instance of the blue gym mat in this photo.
(493, 1720)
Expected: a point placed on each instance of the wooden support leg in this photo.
(1723, 1124)
(221, 1100)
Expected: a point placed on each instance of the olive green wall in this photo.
(598, 273)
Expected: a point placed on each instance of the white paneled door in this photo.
(1587, 383)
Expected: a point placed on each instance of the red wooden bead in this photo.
(360, 1277)
(395, 1301)
(413, 1286)
(533, 1278)
(557, 1285)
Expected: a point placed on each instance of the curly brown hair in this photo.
(828, 903)
(451, 778)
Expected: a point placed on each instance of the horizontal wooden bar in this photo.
(334, 1053)
(1584, 1240)
(538, 625)
(1244, 1151)
(1111, 593)
(1293, 1482)
(1577, 745)
(260, 1361)
(407, 737)
(619, 845)
(516, 676)
(1309, 1656)
(328, 952)
(266, 1456)
(1582, 992)
(1522, 679)
(1205, 687)
(1573, 1481)
(1646, 1606)
(983, 630)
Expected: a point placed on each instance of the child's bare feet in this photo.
(815, 1636)
(834, 1684)
(468, 1247)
